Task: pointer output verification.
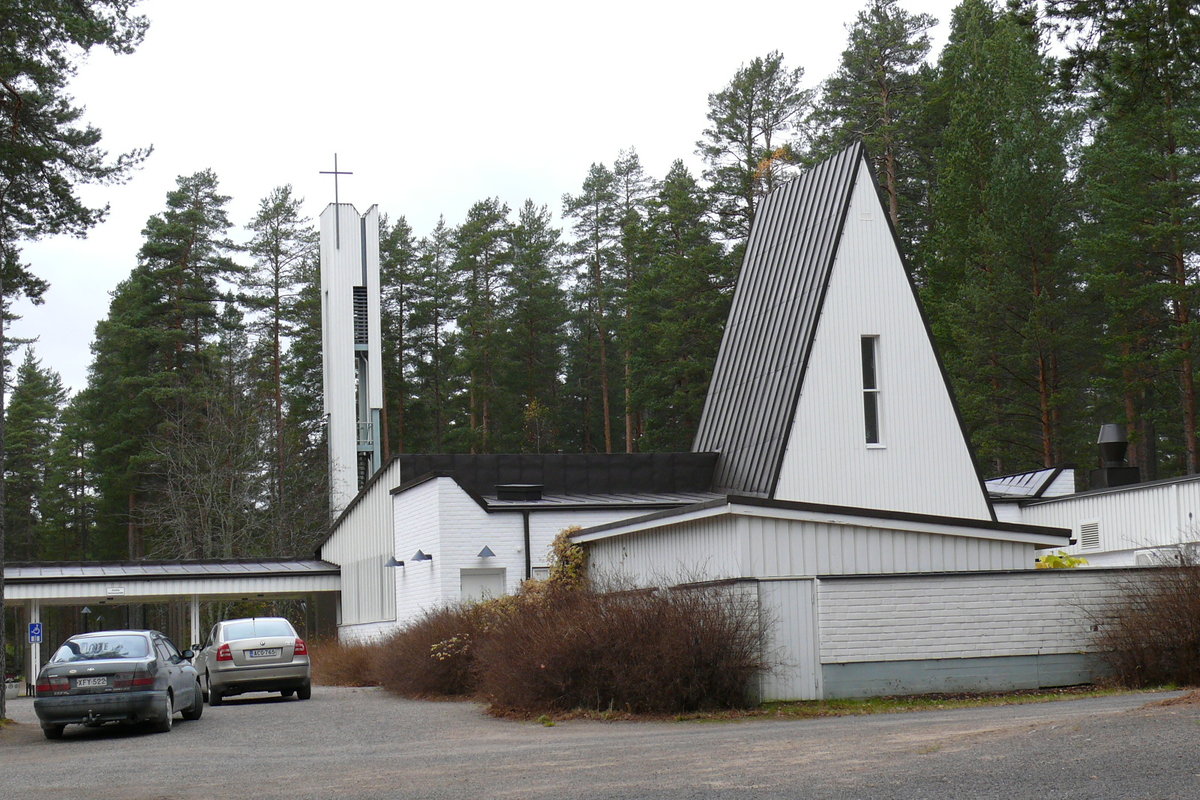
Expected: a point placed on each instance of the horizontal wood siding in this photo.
(961, 616)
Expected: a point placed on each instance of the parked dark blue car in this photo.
(117, 676)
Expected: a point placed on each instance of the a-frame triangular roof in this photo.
(822, 273)
(760, 367)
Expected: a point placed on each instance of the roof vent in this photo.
(519, 491)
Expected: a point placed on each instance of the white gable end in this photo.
(921, 462)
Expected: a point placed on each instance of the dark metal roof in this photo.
(569, 473)
(765, 349)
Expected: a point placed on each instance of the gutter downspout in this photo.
(528, 555)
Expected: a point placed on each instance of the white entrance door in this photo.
(477, 584)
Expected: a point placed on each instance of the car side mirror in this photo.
(188, 655)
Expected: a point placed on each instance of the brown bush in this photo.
(1151, 635)
(435, 654)
(640, 652)
(336, 663)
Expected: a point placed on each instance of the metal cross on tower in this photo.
(337, 226)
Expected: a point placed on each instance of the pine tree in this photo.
(44, 152)
(997, 285)
(483, 259)
(151, 356)
(876, 96)
(536, 323)
(397, 265)
(635, 190)
(68, 500)
(437, 387)
(680, 305)
(281, 240)
(31, 423)
(597, 232)
(1138, 65)
(751, 139)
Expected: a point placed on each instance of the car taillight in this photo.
(301, 648)
(131, 680)
(223, 653)
(52, 685)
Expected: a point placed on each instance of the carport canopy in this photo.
(36, 585)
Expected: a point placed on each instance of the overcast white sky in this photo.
(432, 106)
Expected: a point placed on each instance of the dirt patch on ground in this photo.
(1192, 698)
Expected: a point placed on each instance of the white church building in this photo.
(831, 479)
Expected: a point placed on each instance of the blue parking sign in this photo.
(35, 632)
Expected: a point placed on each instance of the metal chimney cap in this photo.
(1112, 432)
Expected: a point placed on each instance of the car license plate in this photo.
(269, 652)
(91, 681)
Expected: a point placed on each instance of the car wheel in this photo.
(166, 716)
(53, 731)
(197, 707)
(305, 691)
(287, 692)
(214, 694)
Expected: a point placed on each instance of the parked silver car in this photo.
(116, 676)
(259, 654)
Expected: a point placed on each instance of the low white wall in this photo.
(897, 618)
(910, 634)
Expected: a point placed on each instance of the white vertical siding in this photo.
(1130, 519)
(735, 546)
(707, 549)
(341, 271)
(789, 610)
(361, 545)
(923, 464)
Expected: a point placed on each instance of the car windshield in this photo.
(249, 628)
(94, 648)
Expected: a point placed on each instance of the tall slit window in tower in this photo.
(360, 315)
(870, 354)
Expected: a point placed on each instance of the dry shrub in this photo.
(640, 652)
(435, 654)
(1151, 635)
(337, 663)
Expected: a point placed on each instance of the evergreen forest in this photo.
(1040, 172)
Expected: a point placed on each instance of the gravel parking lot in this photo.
(363, 743)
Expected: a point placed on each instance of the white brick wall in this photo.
(961, 616)
(441, 519)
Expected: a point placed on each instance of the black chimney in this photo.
(1114, 469)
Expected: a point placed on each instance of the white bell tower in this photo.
(350, 348)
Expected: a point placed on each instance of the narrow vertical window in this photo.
(870, 353)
